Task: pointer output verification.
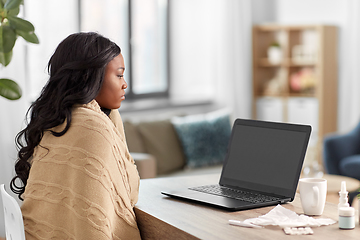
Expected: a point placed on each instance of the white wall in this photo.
(263, 11)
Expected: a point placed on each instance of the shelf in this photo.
(264, 62)
(270, 27)
(280, 95)
(302, 64)
(302, 95)
(286, 95)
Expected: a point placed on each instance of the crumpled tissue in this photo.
(280, 216)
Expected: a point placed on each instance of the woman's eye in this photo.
(120, 76)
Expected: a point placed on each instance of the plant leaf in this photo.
(11, 4)
(5, 58)
(13, 12)
(1, 39)
(20, 24)
(7, 39)
(28, 36)
(9, 89)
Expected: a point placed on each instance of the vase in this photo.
(274, 55)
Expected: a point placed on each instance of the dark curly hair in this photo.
(76, 71)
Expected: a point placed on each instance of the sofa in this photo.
(179, 145)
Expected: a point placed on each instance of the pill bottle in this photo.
(346, 218)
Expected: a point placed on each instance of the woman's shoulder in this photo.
(89, 126)
(89, 118)
(90, 114)
(88, 133)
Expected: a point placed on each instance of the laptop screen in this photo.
(265, 156)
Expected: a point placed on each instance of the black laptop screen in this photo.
(266, 158)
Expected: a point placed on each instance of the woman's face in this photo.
(112, 92)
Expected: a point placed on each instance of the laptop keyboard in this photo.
(235, 193)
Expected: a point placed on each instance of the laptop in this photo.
(261, 168)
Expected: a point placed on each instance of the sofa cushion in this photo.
(133, 138)
(204, 137)
(161, 141)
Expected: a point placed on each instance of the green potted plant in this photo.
(11, 26)
(274, 53)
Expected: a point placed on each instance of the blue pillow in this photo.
(204, 138)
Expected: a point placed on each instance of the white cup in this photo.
(313, 195)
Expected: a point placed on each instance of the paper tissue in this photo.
(280, 216)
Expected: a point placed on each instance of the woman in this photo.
(78, 178)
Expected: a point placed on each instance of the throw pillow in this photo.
(133, 138)
(161, 141)
(204, 137)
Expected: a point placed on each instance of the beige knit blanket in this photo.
(84, 184)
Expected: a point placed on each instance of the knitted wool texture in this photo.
(84, 184)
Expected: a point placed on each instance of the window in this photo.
(139, 27)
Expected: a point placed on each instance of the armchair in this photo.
(342, 153)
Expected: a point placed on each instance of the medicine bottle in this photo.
(346, 218)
